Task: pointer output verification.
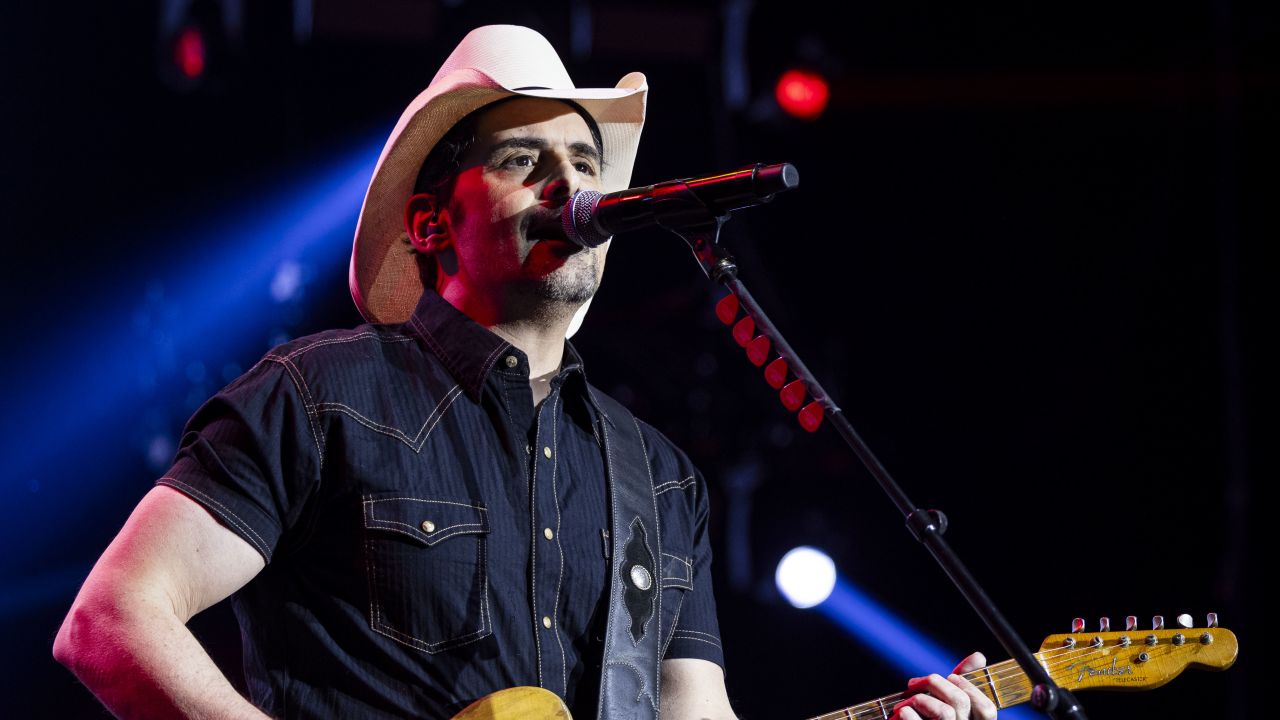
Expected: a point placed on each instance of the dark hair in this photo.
(444, 161)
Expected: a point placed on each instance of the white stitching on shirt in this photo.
(555, 493)
(673, 485)
(695, 632)
(488, 363)
(683, 635)
(369, 499)
(378, 625)
(533, 557)
(675, 620)
(352, 338)
(230, 516)
(313, 419)
(417, 441)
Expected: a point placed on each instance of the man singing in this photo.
(437, 505)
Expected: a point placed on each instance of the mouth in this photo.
(543, 228)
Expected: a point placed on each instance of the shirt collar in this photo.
(470, 351)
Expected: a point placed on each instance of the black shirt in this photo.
(430, 536)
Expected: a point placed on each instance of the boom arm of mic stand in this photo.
(927, 526)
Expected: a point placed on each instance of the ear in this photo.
(427, 224)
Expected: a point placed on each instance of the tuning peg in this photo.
(1185, 621)
(1077, 625)
(1212, 620)
(1104, 624)
(1130, 623)
(1157, 622)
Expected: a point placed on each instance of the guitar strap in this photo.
(630, 668)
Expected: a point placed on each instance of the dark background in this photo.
(1025, 258)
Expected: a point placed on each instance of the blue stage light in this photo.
(907, 649)
(122, 368)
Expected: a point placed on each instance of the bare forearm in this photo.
(141, 661)
(694, 689)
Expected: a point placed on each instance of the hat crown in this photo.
(514, 57)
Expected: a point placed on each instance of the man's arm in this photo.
(693, 688)
(126, 636)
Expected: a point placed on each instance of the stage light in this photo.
(189, 52)
(806, 576)
(166, 356)
(802, 94)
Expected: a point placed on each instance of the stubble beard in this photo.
(573, 283)
(560, 293)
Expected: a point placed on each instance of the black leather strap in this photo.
(629, 682)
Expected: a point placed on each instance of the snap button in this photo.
(640, 577)
(546, 622)
(428, 526)
(512, 361)
(547, 452)
(546, 532)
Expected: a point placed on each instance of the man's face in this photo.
(531, 155)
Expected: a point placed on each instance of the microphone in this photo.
(590, 218)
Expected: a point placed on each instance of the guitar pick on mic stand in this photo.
(696, 209)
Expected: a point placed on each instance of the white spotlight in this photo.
(805, 576)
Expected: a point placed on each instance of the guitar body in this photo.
(517, 703)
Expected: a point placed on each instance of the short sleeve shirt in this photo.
(430, 535)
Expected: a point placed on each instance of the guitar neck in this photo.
(1129, 660)
(1005, 683)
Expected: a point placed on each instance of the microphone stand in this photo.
(700, 226)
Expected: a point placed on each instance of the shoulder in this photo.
(369, 358)
(342, 348)
(673, 471)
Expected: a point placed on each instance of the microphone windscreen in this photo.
(578, 219)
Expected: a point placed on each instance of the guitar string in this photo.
(1005, 673)
(1049, 659)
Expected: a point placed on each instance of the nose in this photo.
(563, 182)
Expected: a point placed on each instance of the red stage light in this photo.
(188, 52)
(802, 94)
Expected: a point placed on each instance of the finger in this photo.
(980, 706)
(943, 691)
(971, 663)
(930, 707)
(902, 711)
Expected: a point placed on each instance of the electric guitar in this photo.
(1130, 660)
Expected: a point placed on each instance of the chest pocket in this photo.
(427, 571)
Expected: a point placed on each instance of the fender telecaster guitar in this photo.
(1131, 660)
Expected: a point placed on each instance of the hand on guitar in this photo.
(949, 698)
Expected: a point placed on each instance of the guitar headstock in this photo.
(1135, 659)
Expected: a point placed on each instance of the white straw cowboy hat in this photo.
(491, 63)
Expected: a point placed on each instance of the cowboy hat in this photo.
(491, 63)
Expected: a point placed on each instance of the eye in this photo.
(523, 160)
(585, 167)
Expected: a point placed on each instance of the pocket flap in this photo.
(677, 571)
(427, 521)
